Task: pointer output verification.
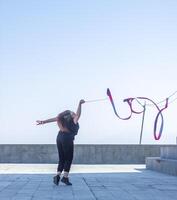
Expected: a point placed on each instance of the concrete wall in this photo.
(84, 154)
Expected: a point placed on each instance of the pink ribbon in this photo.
(130, 100)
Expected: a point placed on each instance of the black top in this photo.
(73, 130)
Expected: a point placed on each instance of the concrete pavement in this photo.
(90, 182)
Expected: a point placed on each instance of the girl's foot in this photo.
(65, 180)
(56, 179)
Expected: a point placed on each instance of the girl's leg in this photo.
(68, 153)
(61, 157)
(56, 178)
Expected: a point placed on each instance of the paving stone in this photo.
(139, 184)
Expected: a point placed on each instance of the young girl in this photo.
(68, 127)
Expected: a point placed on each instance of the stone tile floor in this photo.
(90, 182)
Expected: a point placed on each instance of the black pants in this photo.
(65, 147)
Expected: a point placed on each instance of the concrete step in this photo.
(168, 152)
(167, 166)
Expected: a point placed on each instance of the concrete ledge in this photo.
(169, 153)
(84, 154)
(167, 166)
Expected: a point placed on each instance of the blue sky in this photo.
(53, 53)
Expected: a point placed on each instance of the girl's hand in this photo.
(82, 101)
(39, 122)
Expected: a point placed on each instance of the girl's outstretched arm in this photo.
(40, 122)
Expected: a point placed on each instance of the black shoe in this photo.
(56, 179)
(66, 181)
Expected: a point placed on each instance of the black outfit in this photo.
(65, 145)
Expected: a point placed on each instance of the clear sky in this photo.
(53, 53)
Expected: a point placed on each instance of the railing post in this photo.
(142, 124)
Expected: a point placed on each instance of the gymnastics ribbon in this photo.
(114, 108)
(130, 100)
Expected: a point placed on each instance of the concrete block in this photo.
(167, 166)
(169, 152)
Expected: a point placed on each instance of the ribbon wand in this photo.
(95, 100)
